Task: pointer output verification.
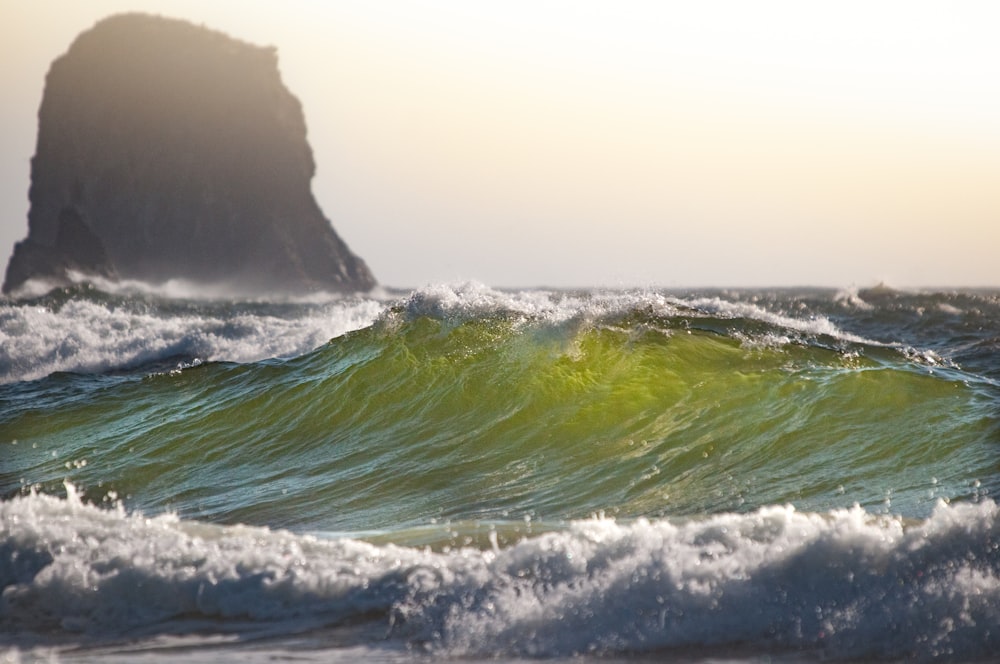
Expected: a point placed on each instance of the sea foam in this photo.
(134, 327)
(93, 336)
(844, 584)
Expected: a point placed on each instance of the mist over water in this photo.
(466, 472)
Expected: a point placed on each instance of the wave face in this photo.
(477, 473)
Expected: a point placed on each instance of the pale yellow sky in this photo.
(614, 143)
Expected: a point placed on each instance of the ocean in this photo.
(462, 473)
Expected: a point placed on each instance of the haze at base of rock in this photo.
(167, 150)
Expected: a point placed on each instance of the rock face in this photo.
(167, 150)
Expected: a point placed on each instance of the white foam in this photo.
(84, 335)
(475, 300)
(90, 335)
(851, 297)
(176, 288)
(814, 325)
(949, 309)
(843, 584)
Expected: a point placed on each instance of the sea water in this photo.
(466, 473)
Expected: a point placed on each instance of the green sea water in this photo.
(477, 418)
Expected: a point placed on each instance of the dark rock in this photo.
(167, 150)
(76, 249)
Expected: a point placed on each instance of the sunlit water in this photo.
(460, 472)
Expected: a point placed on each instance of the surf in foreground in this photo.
(471, 473)
(845, 584)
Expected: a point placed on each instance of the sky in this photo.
(621, 144)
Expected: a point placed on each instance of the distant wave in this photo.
(94, 328)
(83, 330)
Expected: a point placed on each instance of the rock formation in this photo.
(167, 150)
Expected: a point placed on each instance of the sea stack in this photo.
(170, 151)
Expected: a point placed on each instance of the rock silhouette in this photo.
(171, 151)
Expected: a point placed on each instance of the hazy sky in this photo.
(613, 143)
